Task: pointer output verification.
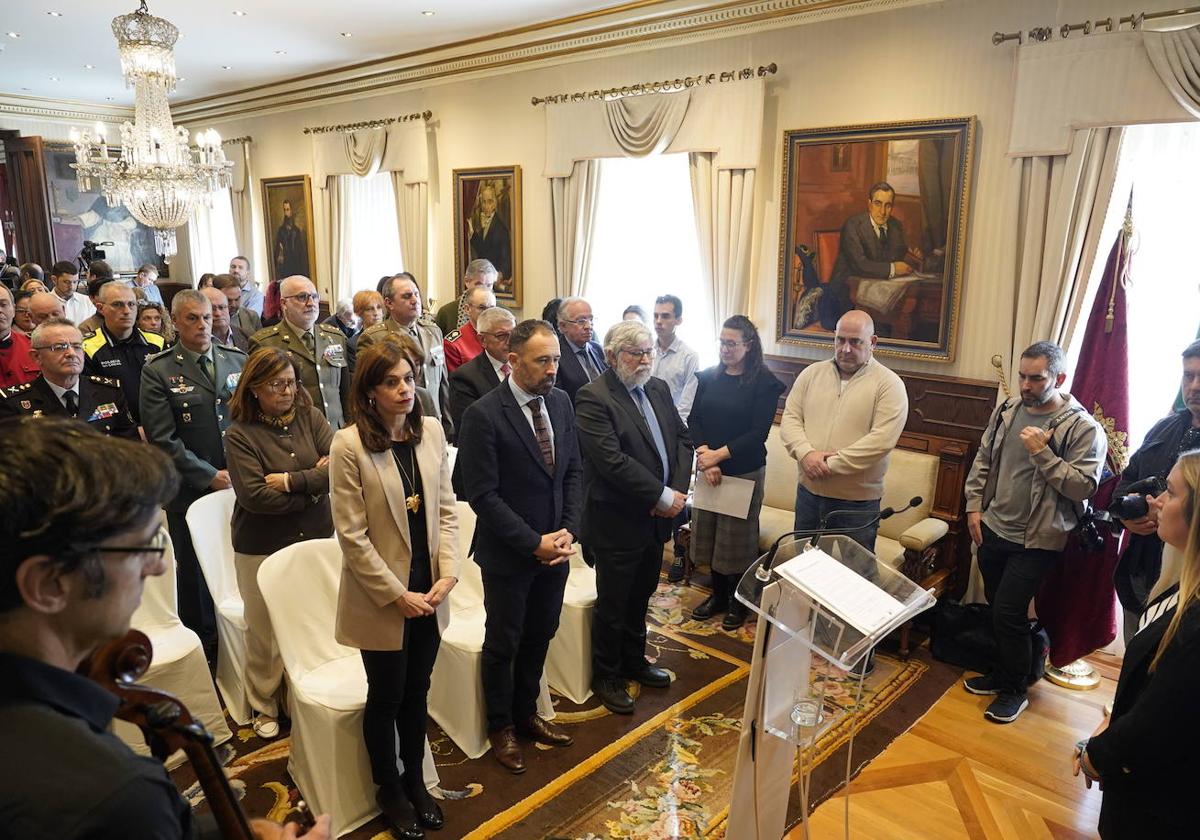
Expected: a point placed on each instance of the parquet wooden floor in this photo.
(955, 775)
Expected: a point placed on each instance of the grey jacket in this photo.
(1068, 472)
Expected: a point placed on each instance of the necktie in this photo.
(5, 343)
(505, 369)
(71, 399)
(585, 360)
(207, 368)
(643, 404)
(541, 432)
(882, 234)
(309, 343)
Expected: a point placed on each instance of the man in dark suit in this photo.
(473, 379)
(582, 358)
(524, 482)
(872, 245)
(185, 412)
(489, 237)
(61, 390)
(637, 466)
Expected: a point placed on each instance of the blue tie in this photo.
(643, 403)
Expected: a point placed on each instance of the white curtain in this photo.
(1176, 58)
(335, 211)
(573, 207)
(724, 202)
(240, 196)
(412, 222)
(646, 125)
(364, 150)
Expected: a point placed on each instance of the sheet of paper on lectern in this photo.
(731, 497)
(841, 590)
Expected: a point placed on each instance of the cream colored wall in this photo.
(926, 61)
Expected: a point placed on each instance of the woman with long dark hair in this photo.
(277, 453)
(394, 514)
(730, 418)
(1143, 754)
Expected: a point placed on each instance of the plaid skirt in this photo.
(727, 544)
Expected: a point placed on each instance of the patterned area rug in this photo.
(664, 772)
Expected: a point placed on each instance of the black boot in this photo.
(736, 615)
(717, 602)
(398, 812)
(429, 813)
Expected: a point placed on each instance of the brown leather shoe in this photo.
(507, 750)
(539, 729)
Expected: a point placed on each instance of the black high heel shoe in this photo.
(429, 813)
(398, 811)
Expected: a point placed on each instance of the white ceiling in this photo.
(48, 59)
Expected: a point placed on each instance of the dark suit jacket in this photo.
(1145, 755)
(571, 375)
(860, 254)
(469, 382)
(515, 497)
(101, 404)
(622, 473)
(495, 247)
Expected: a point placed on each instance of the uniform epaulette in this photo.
(264, 332)
(375, 329)
(331, 329)
(453, 335)
(230, 347)
(427, 319)
(16, 389)
(150, 357)
(104, 380)
(90, 334)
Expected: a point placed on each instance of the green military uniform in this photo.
(324, 370)
(101, 404)
(432, 376)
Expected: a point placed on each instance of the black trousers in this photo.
(196, 609)
(522, 617)
(1012, 575)
(625, 580)
(397, 702)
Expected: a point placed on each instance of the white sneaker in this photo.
(266, 727)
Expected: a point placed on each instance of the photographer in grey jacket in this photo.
(1040, 457)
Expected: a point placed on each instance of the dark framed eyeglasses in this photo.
(62, 347)
(304, 297)
(581, 322)
(639, 354)
(158, 546)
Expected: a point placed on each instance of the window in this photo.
(211, 236)
(370, 239)
(644, 245)
(1163, 164)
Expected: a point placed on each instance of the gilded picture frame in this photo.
(291, 236)
(487, 225)
(875, 217)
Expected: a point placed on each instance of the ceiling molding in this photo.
(62, 110)
(487, 56)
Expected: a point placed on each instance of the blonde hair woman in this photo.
(1143, 755)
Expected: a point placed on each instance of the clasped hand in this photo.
(416, 604)
(555, 548)
(815, 464)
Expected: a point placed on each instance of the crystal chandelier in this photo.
(157, 175)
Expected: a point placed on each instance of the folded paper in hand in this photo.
(731, 497)
(841, 590)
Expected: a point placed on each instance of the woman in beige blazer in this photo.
(394, 514)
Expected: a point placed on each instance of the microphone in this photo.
(886, 513)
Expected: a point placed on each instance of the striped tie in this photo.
(541, 432)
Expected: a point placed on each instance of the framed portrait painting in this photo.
(874, 217)
(78, 216)
(487, 225)
(291, 246)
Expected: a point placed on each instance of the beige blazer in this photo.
(371, 523)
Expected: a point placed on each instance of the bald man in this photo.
(841, 421)
(44, 305)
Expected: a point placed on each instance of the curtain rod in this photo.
(656, 87)
(326, 129)
(246, 139)
(1088, 27)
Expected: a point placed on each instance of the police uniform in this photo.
(324, 372)
(120, 360)
(462, 345)
(102, 404)
(185, 413)
(432, 376)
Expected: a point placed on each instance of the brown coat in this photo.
(371, 523)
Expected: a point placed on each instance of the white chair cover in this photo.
(569, 660)
(208, 519)
(327, 684)
(178, 667)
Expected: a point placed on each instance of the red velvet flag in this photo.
(1077, 602)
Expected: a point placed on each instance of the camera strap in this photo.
(1056, 421)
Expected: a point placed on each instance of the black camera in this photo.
(1133, 504)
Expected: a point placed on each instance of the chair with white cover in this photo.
(208, 519)
(178, 666)
(569, 660)
(327, 684)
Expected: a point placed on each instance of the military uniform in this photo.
(432, 376)
(462, 345)
(185, 413)
(324, 372)
(16, 365)
(102, 404)
(122, 360)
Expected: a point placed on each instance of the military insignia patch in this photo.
(232, 380)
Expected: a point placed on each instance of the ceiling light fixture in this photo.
(54, 14)
(18, 34)
(429, 13)
(343, 34)
(89, 67)
(239, 14)
(54, 79)
(226, 67)
(156, 174)
(280, 52)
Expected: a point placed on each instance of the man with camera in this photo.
(1040, 457)
(1143, 568)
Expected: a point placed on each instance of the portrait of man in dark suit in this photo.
(489, 237)
(291, 246)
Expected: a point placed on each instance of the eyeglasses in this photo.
(62, 347)
(121, 304)
(281, 386)
(304, 297)
(581, 322)
(158, 545)
(499, 336)
(729, 345)
(640, 354)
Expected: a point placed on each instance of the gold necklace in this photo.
(412, 501)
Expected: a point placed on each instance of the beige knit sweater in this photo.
(860, 421)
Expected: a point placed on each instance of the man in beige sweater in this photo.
(840, 422)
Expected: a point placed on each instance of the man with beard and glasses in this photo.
(524, 482)
(1040, 457)
(637, 464)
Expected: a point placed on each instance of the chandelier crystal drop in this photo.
(156, 173)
